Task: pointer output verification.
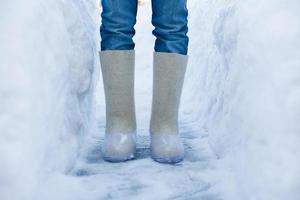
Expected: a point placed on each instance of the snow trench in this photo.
(238, 118)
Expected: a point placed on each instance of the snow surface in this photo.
(239, 115)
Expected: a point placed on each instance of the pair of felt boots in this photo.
(120, 135)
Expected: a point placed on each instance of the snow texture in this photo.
(239, 115)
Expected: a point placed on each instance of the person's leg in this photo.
(170, 19)
(117, 59)
(169, 66)
(117, 28)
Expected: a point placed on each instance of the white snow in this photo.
(239, 115)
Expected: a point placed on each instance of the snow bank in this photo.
(269, 99)
(47, 60)
(244, 80)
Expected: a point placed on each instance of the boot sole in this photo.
(173, 160)
(118, 159)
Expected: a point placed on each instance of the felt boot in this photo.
(168, 78)
(117, 68)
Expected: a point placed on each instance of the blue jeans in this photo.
(169, 17)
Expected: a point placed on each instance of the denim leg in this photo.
(117, 28)
(169, 17)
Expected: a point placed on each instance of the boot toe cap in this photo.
(118, 147)
(166, 148)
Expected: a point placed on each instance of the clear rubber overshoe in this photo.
(119, 147)
(166, 148)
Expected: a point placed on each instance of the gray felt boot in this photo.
(118, 77)
(169, 71)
